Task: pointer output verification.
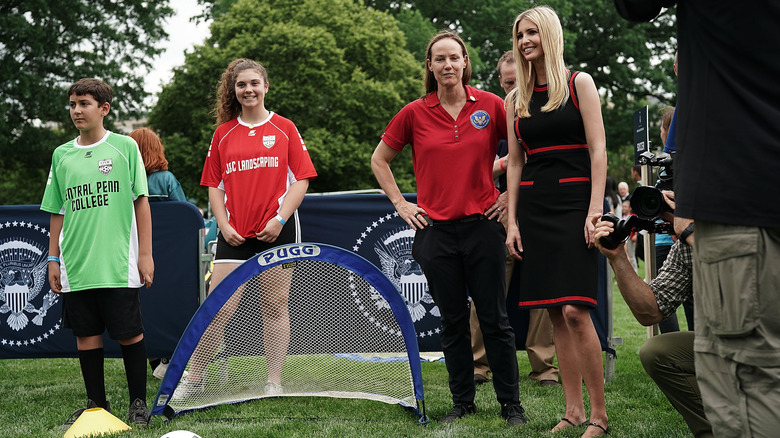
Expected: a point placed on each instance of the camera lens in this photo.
(647, 202)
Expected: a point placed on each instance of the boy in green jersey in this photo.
(100, 247)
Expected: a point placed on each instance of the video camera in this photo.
(647, 203)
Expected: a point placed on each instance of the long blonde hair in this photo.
(551, 35)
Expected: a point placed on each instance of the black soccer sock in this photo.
(134, 357)
(91, 362)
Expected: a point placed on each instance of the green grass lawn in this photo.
(39, 394)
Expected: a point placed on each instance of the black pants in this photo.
(459, 260)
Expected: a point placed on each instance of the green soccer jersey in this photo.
(94, 187)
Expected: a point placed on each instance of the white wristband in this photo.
(280, 219)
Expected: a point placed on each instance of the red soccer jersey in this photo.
(453, 159)
(255, 165)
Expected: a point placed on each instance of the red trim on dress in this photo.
(558, 148)
(572, 92)
(557, 301)
(575, 179)
(526, 183)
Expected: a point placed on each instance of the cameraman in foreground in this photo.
(667, 358)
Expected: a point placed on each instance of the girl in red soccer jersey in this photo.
(257, 171)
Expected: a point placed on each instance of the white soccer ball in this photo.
(180, 434)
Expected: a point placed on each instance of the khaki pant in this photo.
(737, 311)
(539, 344)
(668, 360)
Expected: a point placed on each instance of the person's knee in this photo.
(275, 308)
(576, 317)
(650, 355)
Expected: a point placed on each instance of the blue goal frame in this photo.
(267, 260)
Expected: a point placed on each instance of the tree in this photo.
(630, 62)
(44, 47)
(336, 69)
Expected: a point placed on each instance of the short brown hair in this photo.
(100, 90)
(508, 56)
(152, 149)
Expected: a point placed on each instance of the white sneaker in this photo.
(159, 371)
(273, 389)
(187, 389)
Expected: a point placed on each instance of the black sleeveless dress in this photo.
(554, 196)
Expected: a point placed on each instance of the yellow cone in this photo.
(95, 422)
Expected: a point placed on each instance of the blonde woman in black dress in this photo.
(555, 178)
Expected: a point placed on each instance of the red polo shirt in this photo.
(453, 159)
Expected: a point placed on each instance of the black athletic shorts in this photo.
(228, 253)
(91, 312)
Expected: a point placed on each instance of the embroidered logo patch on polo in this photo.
(480, 119)
(269, 140)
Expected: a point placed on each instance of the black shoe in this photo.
(138, 413)
(459, 411)
(77, 413)
(513, 414)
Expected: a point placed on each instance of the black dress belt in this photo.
(472, 218)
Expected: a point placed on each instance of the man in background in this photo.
(539, 344)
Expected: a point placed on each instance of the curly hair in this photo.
(227, 106)
(152, 150)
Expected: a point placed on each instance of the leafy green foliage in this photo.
(45, 46)
(622, 57)
(337, 69)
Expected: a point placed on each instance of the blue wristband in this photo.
(280, 219)
(53, 259)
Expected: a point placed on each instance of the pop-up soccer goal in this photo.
(341, 340)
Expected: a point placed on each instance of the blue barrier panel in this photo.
(369, 225)
(30, 312)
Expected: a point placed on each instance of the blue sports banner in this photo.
(369, 225)
(366, 224)
(30, 312)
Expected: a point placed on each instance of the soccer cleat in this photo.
(273, 389)
(459, 411)
(513, 414)
(187, 389)
(77, 413)
(138, 413)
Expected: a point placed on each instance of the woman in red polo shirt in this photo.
(453, 131)
(555, 178)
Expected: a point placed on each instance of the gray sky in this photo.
(183, 35)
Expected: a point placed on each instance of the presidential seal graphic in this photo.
(480, 119)
(25, 295)
(390, 240)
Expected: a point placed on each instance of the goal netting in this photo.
(311, 319)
